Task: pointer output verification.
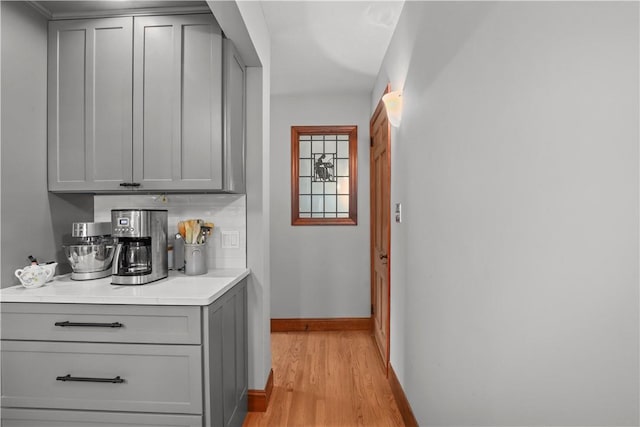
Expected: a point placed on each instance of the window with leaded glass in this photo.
(324, 175)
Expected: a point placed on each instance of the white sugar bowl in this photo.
(34, 276)
(51, 269)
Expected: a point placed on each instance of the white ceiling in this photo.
(328, 46)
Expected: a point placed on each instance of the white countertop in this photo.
(177, 289)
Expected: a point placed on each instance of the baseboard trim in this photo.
(401, 400)
(258, 400)
(326, 324)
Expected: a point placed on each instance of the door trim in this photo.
(258, 400)
(401, 400)
(321, 324)
(380, 109)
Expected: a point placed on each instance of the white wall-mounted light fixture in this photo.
(393, 105)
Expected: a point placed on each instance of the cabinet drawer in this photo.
(101, 323)
(147, 378)
(49, 418)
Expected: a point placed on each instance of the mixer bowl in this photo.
(90, 258)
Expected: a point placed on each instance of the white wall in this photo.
(258, 216)
(318, 271)
(258, 194)
(518, 153)
(243, 22)
(34, 222)
(228, 213)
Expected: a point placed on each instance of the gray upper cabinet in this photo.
(89, 96)
(144, 104)
(177, 103)
(234, 88)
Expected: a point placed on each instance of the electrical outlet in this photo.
(230, 239)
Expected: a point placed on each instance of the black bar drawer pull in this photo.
(116, 380)
(97, 325)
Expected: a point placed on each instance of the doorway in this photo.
(380, 182)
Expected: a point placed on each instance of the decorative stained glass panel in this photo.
(323, 175)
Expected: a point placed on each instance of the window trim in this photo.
(296, 132)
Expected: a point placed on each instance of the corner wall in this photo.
(517, 165)
(258, 195)
(243, 22)
(33, 221)
(318, 271)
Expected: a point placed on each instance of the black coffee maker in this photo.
(141, 251)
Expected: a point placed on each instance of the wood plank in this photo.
(324, 324)
(327, 378)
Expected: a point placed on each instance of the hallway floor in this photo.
(327, 379)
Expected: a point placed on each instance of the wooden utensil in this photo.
(196, 233)
(188, 231)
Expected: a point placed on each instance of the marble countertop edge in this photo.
(177, 289)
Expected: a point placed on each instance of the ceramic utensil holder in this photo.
(195, 259)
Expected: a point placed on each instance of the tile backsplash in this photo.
(227, 211)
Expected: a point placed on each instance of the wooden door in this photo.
(177, 103)
(380, 228)
(89, 91)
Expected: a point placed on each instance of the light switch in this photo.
(398, 212)
(230, 239)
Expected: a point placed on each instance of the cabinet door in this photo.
(177, 103)
(12, 417)
(90, 90)
(225, 352)
(234, 119)
(102, 377)
(100, 323)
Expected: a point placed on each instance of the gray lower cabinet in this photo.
(225, 325)
(136, 104)
(53, 418)
(147, 324)
(80, 365)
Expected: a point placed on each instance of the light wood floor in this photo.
(327, 379)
